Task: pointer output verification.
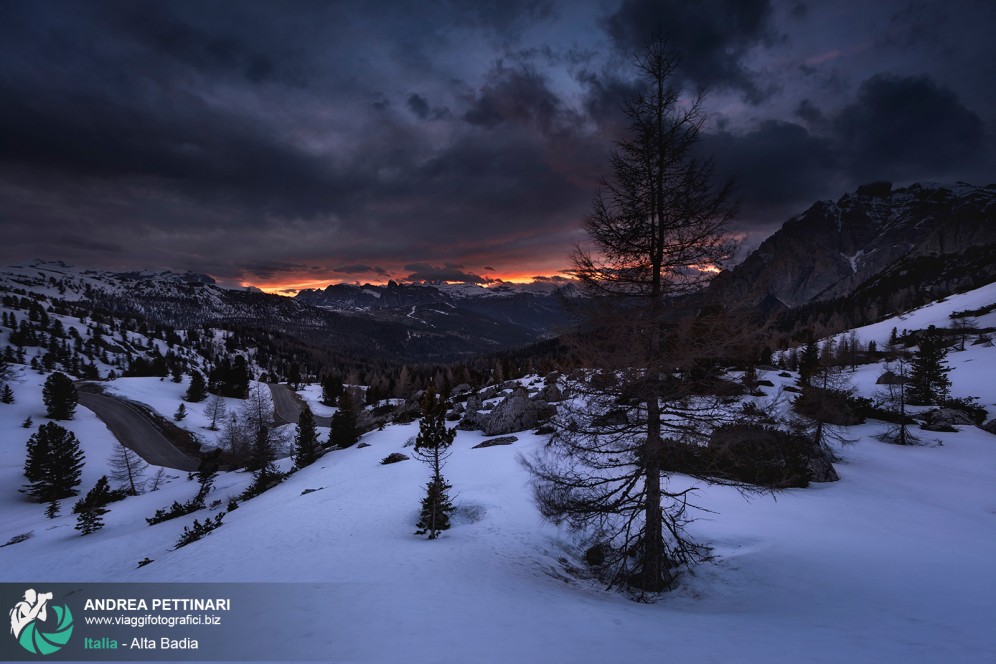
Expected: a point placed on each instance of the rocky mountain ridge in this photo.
(833, 248)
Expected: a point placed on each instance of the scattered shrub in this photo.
(198, 530)
(837, 407)
(394, 457)
(177, 509)
(17, 539)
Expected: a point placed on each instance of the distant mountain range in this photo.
(396, 322)
(872, 252)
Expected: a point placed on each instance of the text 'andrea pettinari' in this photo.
(157, 604)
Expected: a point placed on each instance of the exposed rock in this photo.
(945, 420)
(472, 419)
(890, 378)
(820, 466)
(989, 426)
(407, 412)
(362, 445)
(550, 393)
(394, 457)
(461, 391)
(517, 413)
(492, 442)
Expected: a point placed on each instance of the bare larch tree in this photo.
(658, 232)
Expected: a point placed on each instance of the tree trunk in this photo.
(653, 570)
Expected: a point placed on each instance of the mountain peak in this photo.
(831, 248)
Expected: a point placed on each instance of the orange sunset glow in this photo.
(291, 286)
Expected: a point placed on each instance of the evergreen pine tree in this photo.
(207, 471)
(261, 453)
(91, 509)
(809, 362)
(52, 510)
(344, 431)
(265, 473)
(7, 394)
(27, 423)
(60, 397)
(181, 412)
(197, 391)
(929, 383)
(306, 447)
(294, 376)
(54, 463)
(331, 389)
(431, 447)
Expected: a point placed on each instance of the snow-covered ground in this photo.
(896, 562)
(935, 313)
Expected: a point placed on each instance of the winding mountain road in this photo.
(287, 405)
(136, 431)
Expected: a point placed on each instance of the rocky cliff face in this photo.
(833, 247)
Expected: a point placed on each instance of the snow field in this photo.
(895, 562)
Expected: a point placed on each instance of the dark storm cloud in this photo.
(361, 269)
(810, 113)
(251, 140)
(191, 44)
(776, 165)
(904, 127)
(712, 36)
(271, 269)
(159, 127)
(514, 95)
(86, 243)
(896, 128)
(426, 272)
(418, 105)
(196, 150)
(605, 96)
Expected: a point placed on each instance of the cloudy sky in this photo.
(289, 143)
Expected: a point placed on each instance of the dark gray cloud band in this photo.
(368, 140)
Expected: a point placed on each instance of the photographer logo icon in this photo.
(30, 625)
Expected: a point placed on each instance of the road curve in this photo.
(135, 431)
(287, 405)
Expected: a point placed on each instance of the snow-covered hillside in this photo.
(893, 563)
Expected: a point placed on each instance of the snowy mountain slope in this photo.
(936, 313)
(891, 563)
